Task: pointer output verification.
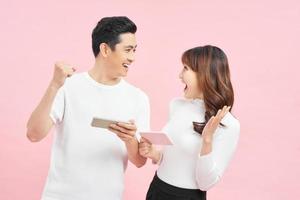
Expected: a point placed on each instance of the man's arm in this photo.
(40, 123)
(126, 132)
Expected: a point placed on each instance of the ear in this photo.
(104, 49)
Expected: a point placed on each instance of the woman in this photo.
(204, 132)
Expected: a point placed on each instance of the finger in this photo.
(117, 127)
(143, 140)
(127, 126)
(147, 145)
(113, 130)
(209, 123)
(119, 133)
(219, 113)
(214, 123)
(122, 135)
(142, 148)
(68, 71)
(225, 111)
(132, 121)
(145, 148)
(142, 145)
(145, 151)
(146, 141)
(218, 119)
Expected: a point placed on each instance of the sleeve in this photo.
(210, 167)
(172, 106)
(165, 129)
(143, 115)
(58, 107)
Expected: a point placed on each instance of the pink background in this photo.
(261, 39)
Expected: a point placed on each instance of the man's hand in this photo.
(125, 131)
(40, 123)
(61, 72)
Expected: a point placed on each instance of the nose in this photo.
(180, 75)
(131, 58)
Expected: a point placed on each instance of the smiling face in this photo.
(119, 59)
(189, 78)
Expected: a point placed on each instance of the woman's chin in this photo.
(186, 95)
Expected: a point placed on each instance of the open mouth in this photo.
(185, 88)
(126, 66)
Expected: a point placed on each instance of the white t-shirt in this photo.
(181, 163)
(88, 163)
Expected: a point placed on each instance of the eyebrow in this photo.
(130, 46)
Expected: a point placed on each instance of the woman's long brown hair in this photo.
(212, 68)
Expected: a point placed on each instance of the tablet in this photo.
(157, 137)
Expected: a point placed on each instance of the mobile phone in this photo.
(103, 123)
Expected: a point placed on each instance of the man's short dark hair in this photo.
(108, 31)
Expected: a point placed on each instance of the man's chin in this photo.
(122, 75)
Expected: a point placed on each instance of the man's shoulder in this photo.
(76, 77)
(75, 80)
(136, 90)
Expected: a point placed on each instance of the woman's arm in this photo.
(216, 152)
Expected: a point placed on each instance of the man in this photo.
(88, 163)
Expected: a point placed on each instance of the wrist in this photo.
(131, 141)
(158, 159)
(155, 156)
(54, 86)
(207, 140)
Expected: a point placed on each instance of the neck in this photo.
(199, 96)
(101, 73)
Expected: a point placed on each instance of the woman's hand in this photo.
(213, 123)
(147, 150)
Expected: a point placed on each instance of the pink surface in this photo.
(261, 39)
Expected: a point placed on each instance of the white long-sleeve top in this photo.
(181, 164)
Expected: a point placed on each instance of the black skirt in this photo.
(160, 190)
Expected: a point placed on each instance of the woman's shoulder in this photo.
(177, 101)
(231, 122)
